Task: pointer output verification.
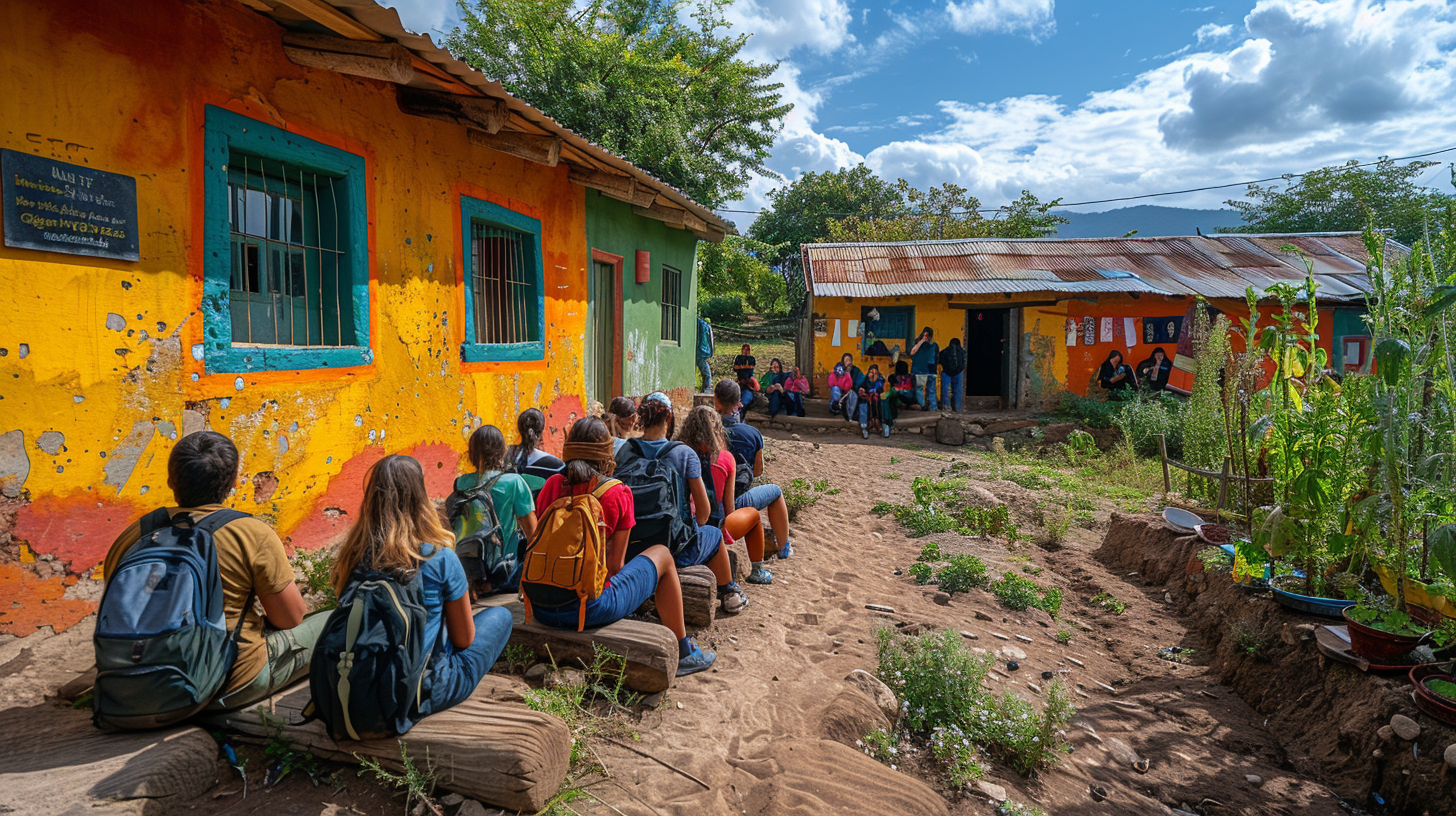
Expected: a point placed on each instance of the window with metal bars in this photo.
(671, 305)
(286, 252)
(505, 312)
(287, 255)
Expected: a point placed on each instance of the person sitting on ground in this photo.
(748, 387)
(621, 420)
(771, 385)
(953, 375)
(399, 531)
(842, 398)
(1116, 376)
(631, 580)
(796, 387)
(924, 356)
(511, 500)
(703, 432)
(1154, 371)
(273, 648)
(871, 392)
(899, 391)
(527, 458)
(746, 444)
(655, 418)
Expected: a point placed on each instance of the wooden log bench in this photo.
(700, 596)
(490, 747)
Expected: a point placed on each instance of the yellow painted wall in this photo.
(122, 87)
(930, 310)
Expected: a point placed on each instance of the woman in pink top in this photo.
(841, 391)
(796, 387)
(703, 432)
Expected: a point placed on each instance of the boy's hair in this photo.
(202, 469)
(487, 448)
(703, 430)
(727, 394)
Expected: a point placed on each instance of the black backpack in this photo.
(742, 476)
(479, 540)
(162, 644)
(660, 499)
(368, 670)
(718, 512)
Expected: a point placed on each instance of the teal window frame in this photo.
(477, 211)
(227, 133)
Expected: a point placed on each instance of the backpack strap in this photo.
(154, 521)
(604, 487)
(217, 519)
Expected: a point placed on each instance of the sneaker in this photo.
(696, 661)
(865, 432)
(886, 431)
(787, 551)
(760, 575)
(732, 599)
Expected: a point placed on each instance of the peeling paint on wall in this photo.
(14, 464)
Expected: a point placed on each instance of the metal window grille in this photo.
(671, 305)
(503, 285)
(288, 255)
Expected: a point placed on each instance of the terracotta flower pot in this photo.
(1377, 646)
(1442, 708)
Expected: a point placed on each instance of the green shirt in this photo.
(511, 495)
(922, 361)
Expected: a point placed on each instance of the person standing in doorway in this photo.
(923, 362)
(953, 375)
(705, 351)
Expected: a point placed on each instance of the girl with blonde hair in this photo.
(399, 532)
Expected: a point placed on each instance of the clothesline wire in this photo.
(1207, 188)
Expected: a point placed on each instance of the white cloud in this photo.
(1209, 31)
(1035, 19)
(779, 27)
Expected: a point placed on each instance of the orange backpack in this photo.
(568, 550)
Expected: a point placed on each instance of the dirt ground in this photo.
(746, 729)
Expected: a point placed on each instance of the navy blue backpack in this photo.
(660, 499)
(162, 645)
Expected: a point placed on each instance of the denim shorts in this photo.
(627, 590)
(759, 498)
(710, 538)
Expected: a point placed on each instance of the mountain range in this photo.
(1149, 221)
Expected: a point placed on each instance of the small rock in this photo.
(982, 616)
(899, 572)
(1450, 755)
(1405, 727)
(970, 635)
(889, 610)
(451, 799)
(564, 678)
(942, 598)
(1047, 675)
(1034, 687)
(1254, 779)
(652, 700)
(1074, 661)
(472, 808)
(1023, 638)
(537, 673)
(999, 636)
(876, 690)
(1385, 733)
(1122, 752)
(793, 436)
(994, 792)
(1013, 652)
(1012, 665)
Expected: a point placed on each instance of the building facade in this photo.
(306, 228)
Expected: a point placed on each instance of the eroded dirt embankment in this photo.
(1326, 715)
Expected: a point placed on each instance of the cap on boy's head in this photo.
(202, 469)
(658, 396)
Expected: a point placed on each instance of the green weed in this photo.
(1009, 808)
(418, 783)
(930, 552)
(801, 494)
(1107, 602)
(1063, 636)
(890, 475)
(922, 573)
(518, 657)
(962, 574)
(315, 566)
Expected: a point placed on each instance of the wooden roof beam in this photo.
(618, 186)
(389, 62)
(529, 146)
(477, 112)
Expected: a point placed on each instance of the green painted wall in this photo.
(1347, 322)
(648, 364)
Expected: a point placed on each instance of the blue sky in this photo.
(1085, 100)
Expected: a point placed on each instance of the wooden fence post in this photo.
(1163, 451)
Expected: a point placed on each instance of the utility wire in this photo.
(1169, 192)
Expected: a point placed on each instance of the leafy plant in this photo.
(988, 521)
(417, 782)
(957, 753)
(1009, 808)
(1107, 602)
(1248, 639)
(518, 657)
(922, 572)
(1015, 592)
(601, 683)
(801, 494)
(1444, 688)
(1216, 559)
(1089, 411)
(1063, 636)
(1144, 418)
(962, 574)
(315, 567)
(890, 475)
(930, 552)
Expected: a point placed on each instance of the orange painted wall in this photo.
(122, 87)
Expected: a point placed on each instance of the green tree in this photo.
(1343, 198)
(737, 266)
(801, 212)
(946, 212)
(666, 90)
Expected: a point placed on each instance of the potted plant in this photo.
(1435, 690)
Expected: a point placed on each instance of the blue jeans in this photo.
(707, 375)
(454, 673)
(746, 399)
(759, 498)
(952, 389)
(840, 398)
(624, 593)
(775, 403)
(925, 390)
(789, 402)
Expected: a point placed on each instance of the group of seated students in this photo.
(783, 391)
(869, 397)
(400, 530)
(1120, 379)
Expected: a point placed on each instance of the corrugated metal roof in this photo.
(1214, 266)
(303, 15)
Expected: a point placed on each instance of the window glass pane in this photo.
(503, 285)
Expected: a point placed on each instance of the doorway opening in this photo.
(603, 357)
(987, 343)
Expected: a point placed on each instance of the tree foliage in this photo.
(666, 90)
(737, 266)
(946, 212)
(801, 212)
(1343, 198)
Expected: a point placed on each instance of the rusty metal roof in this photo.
(366, 20)
(1214, 266)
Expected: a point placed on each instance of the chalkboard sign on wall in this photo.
(59, 207)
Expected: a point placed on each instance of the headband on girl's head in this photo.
(598, 453)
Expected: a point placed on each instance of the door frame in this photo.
(1010, 348)
(616, 261)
